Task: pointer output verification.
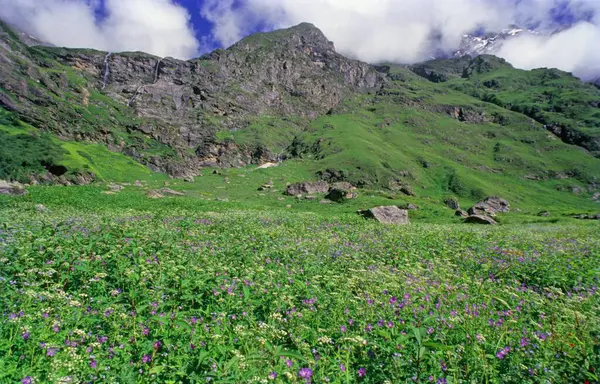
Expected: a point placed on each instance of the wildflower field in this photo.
(123, 296)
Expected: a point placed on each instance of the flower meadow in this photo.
(276, 297)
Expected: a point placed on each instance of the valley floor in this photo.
(123, 289)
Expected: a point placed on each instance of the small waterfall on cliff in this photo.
(106, 70)
(156, 71)
(137, 91)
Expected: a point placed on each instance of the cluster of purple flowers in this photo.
(502, 353)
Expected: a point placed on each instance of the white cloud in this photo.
(159, 27)
(402, 30)
(572, 50)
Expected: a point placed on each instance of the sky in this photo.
(401, 31)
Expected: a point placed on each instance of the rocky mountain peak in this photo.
(182, 105)
(304, 37)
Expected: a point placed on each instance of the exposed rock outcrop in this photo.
(489, 207)
(307, 187)
(452, 203)
(480, 219)
(180, 105)
(13, 189)
(340, 194)
(387, 215)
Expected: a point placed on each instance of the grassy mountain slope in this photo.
(27, 152)
(566, 106)
(467, 127)
(437, 141)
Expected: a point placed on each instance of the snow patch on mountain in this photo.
(489, 43)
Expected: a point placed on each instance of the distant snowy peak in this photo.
(490, 43)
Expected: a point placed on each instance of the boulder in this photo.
(13, 189)
(342, 185)
(138, 183)
(544, 214)
(266, 186)
(452, 203)
(84, 178)
(480, 219)
(489, 207)
(387, 215)
(153, 194)
(170, 192)
(41, 208)
(307, 187)
(588, 217)
(461, 213)
(409, 207)
(339, 195)
(407, 190)
(115, 187)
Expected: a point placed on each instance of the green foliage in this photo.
(106, 165)
(25, 155)
(102, 292)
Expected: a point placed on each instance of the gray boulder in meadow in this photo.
(387, 215)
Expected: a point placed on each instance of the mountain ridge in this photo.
(289, 95)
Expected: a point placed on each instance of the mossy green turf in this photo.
(25, 151)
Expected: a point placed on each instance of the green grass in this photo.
(106, 165)
(119, 288)
(27, 152)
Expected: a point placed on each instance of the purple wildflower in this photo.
(343, 328)
(502, 353)
(362, 372)
(25, 335)
(305, 373)
(51, 352)
(289, 363)
(342, 368)
(93, 364)
(273, 375)
(157, 344)
(146, 359)
(27, 380)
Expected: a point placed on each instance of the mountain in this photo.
(147, 106)
(562, 103)
(466, 126)
(489, 43)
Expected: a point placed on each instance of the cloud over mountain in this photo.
(402, 31)
(408, 31)
(159, 27)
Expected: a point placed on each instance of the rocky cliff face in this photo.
(135, 102)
